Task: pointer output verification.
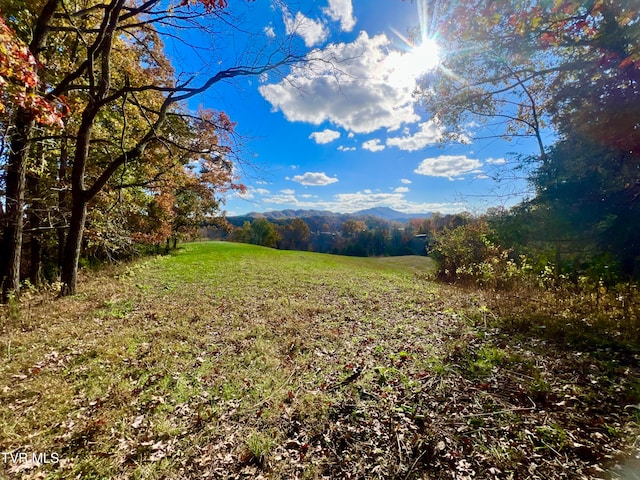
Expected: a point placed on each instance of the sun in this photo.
(407, 67)
(426, 55)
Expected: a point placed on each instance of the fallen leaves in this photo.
(354, 376)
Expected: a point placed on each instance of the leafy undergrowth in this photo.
(235, 361)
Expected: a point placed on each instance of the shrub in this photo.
(466, 254)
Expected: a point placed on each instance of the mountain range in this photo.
(383, 213)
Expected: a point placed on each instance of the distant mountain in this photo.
(391, 214)
(291, 214)
(383, 213)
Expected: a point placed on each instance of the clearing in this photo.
(235, 361)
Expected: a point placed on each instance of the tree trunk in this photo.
(35, 264)
(15, 187)
(79, 200)
(34, 222)
(16, 170)
(63, 204)
(73, 247)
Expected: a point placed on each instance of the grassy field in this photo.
(236, 361)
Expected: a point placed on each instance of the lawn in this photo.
(234, 361)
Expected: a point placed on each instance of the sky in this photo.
(347, 134)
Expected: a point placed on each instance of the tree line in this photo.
(369, 237)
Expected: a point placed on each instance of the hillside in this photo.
(235, 361)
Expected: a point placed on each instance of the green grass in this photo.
(234, 361)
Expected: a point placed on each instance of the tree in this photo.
(350, 228)
(259, 232)
(569, 66)
(587, 198)
(296, 235)
(124, 102)
(188, 186)
(525, 61)
(20, 90)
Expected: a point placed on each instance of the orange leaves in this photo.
(214, 124)
(549, 39)
(210, 5)
(19, 79)
(225, 123)
(632, 61)
(565, 7)
(155, 227)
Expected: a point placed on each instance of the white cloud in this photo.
(367, 199)
(282, 200)
(449, 166)
(401, 190)
(342, 148)
(269, 31)
(314, 179)
(406, 181)
(373, 145)
(313, 32)
(288, 191)
(352, 202)
(325, 136)
(429, 133)
(341, 11)
(351, 88)
(496, 161)
(251, 193)
(247, 195)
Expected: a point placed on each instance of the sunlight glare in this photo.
(420, 59)
(426, 55)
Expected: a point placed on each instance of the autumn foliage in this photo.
(565, 74)
(132, 164)
(19, 81)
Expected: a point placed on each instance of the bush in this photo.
(467, 255)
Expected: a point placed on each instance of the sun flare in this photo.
(426, 56)
(420, 59)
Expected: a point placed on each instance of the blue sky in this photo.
(347, 135)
